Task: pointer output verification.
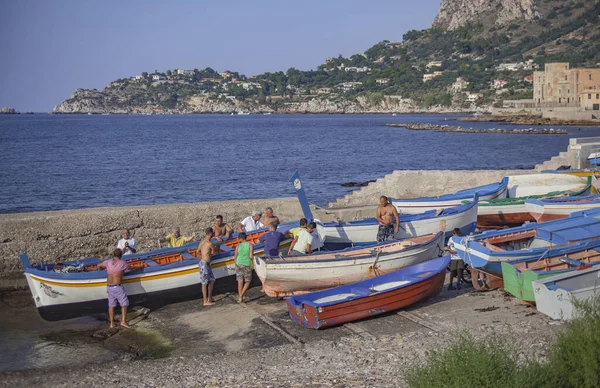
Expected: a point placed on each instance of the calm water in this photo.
(63, 162)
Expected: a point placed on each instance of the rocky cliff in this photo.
(96, 102)
(456, 13)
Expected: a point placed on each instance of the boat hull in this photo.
(293, 275)
(554, 295)
(498, 216)
(316, 317)
(549, 210)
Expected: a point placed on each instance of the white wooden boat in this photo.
(296, 274)
(498, 213)
(78, 288)
(424, 204)
(540, 184)
(463, 217)
(554, 296)
(552, 209)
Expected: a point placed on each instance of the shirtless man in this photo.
(114, 287)
(221, 228)
(206, 274)
(270, 218)
(386, 213)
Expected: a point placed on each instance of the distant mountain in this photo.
(477, 53)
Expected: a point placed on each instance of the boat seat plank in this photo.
(188, 256)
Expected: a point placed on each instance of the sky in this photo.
(49, 48)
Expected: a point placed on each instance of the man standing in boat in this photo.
(207, 278)
(251, 223)
(386, 214)
(175, 239)
(270, 217)
(127, 243)
(221, 228)
(114, 287)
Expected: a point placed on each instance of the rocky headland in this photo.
(8, 111)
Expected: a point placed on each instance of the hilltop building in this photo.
(560, 86)
(562, 93)
(459, 85)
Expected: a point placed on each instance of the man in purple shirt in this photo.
(272, 239)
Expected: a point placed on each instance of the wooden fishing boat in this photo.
(485, 251)
(552, 209)
(78, 288)
(284, 276)
(579, 172)
(340, 234)
(511, 212)
(519, 275)
(424, 204)
(554, 296)
(539, 184)
(393, 291)
(463, 217)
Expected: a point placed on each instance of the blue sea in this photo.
(51, 162)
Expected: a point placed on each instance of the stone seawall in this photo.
(72, 234)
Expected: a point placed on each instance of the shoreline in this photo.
(529, 120)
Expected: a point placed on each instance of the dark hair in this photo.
(383, 197)
(273, 224)
(456, 231)
(118, 253)
(312, 225)
(303, 221)
(208, 231)
(219, 217)
(242, 236)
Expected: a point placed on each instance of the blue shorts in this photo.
(206, 273)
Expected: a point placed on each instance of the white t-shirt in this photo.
(304, 238)
(121, 245)
(317, 242)
(453, 256)
(250, 225)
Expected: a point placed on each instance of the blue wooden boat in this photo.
(393, 291)
(486, 251)
(78, 288)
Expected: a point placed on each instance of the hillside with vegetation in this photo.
(491, 47)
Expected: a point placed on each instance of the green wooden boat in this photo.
(519, 275)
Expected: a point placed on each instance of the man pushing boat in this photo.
(114, 287)
(386, 213)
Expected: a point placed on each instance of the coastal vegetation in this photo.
(573, 359)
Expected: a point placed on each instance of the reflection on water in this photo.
(27, 341)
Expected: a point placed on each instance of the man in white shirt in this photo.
(305, 240)
(251, 223)
(127, 243)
